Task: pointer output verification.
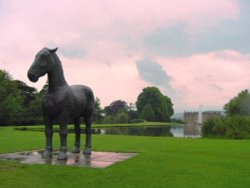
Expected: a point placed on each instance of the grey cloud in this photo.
(175, 40)
(168, 41)
(152, 72)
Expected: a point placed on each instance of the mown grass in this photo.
(162, 162)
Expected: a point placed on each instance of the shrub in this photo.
(121, 117)
(136, 121)
(107, 120)
(236, 127)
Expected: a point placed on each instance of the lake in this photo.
(186, 131)
(192, 131)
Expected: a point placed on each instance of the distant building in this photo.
(210, 114)
(191, 117)
(178, 116)
(194, 118)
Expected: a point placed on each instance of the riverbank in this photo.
(39, 128)
(108, 125)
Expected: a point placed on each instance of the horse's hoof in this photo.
(86, 151)
(76, 150)
(47, 154)
(62, 156)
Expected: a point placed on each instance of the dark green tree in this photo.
(121, 117)
(28, 93)
(107, 119)
(132, 113)
(116, 107)
(239, 105)
(11, 101)
(117, 112)
(147, 113)
(32, 105)
(98, 111)
(161, 105)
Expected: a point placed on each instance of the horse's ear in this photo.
(53, 50)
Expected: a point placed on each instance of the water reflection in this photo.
(188, 130)
(175, 131)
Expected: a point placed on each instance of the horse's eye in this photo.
(43, 63)
(44, 55)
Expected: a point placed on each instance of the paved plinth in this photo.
(96, 159)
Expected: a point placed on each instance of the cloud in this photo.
(110, 82)
(199, 47)
(85, 23)
(171, 41)
(176, 40)
(211, 79)
(152, 72)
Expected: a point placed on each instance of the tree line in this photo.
(21, 104)
(236, 123)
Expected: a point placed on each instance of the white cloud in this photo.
(100, 41)
(211, 79)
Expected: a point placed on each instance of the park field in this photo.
(161, 162)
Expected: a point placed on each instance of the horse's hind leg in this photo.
(88, 133)
(76, 148)
(48, 133)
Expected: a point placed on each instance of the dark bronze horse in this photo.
(62, 103)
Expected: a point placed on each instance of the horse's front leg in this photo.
(63, 141)
(49, 134)
(88, 132)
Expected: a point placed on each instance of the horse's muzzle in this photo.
(32, 77)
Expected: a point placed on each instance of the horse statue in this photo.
(62, 103)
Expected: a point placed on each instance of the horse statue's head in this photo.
(42, 64)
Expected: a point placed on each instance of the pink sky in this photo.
(101, 42)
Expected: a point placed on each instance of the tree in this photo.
(28, 93)
(11, 101)
(239, 105)
(35, 111)
(98, 110)
(121, 117)
(161, 105)
(116, 107)
(132, 113)
(148, 113)
(45, 88)
(107, 119)
(117, 112)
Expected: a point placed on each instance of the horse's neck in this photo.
(56, 77)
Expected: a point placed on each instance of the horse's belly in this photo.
(57, 106)
(70, 104)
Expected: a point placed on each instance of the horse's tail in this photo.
(90, 95)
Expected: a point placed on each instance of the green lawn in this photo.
(162, 162)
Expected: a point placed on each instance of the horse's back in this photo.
(81, 92)
(84, 100)
(84, 97)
